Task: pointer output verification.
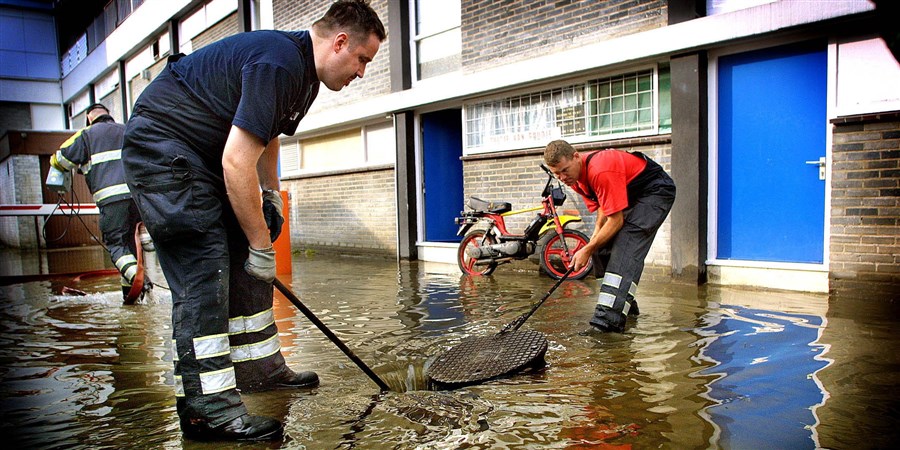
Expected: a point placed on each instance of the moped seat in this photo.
(480, 205)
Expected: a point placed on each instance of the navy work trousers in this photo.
(201, 248)
(620, 263)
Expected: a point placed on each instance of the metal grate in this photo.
(478, 359)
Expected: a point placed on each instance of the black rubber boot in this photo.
(290, 379)
(608, 319)
(244, 428)
(633, 311)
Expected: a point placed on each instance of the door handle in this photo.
(821, 163)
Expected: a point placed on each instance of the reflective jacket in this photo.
(96, 151)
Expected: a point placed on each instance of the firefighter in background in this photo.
(632, 196)
(96, 152)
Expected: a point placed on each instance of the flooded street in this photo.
(700, 367)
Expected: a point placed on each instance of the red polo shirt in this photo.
(607, 176)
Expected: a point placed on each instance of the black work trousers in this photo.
(224, 330)
(620, 263)
(118, 221)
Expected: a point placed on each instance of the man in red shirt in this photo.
(632, 196)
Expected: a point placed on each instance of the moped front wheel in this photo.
(558, 251)
(474, 238)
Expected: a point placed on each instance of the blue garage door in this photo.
(772, 127)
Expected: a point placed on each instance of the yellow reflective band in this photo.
(251, 324)
(179, 386)
(125, 260)
(110, 191)
(633, 289)
(71, 139)
(211, 346)
(174, 350)
(217, 381)
(606, 299)
(64, 162)
(130, 273)
(612, 279)
(626, 308)
(255, 351)
(103, 157)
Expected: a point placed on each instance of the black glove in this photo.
(271, 207)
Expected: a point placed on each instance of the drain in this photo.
(483, 358)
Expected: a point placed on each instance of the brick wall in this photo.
(113, 102)
(224, 28)
(507, 31)
(355, 210)
(14, 116)
(865, 206)
(517, 178)
(300, 15)
(139, 83)
(20, 185)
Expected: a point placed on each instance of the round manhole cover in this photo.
(478, 359)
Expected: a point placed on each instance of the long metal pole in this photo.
(331, 336)
(516, 324)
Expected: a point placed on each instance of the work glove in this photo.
(261, 264)
(272, 206)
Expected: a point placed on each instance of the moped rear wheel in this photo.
(474, 238)
(557, 253)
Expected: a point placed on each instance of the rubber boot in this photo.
(296, 380)
(244, 428)
(608, 319)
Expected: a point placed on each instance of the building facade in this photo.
(778, 121)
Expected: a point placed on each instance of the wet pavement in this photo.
(701, 367)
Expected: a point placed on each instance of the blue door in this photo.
(443, 178)
(772, 127)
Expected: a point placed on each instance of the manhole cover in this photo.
(478, 359)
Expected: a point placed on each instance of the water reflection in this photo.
(765, 365)
(699, 368)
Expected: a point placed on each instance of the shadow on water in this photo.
(705, 367)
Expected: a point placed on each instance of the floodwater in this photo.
(701, 367)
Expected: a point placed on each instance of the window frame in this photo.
(582, 84)
(416, 38)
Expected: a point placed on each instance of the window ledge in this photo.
(329, 173)
(613, 143)
(860, 118)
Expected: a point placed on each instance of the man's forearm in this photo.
(239, 164)
(267, 167)
(604, 229)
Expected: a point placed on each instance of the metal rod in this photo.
(516, 324)
(331, 336)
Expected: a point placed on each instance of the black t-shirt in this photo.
(261, 81)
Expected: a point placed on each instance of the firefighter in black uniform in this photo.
(201, 157)
(96, 152)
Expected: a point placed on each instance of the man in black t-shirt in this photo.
(200, 147)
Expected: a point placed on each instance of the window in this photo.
(437, 43)
(725, 6)
(624, 105)
(371, 145)
(620, 104)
